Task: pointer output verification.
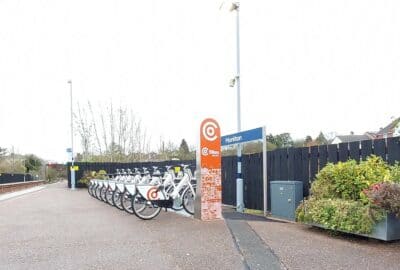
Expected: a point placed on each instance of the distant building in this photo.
(391, 130)
(349, 138)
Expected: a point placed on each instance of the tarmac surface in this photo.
(56, 228)
(304, 247)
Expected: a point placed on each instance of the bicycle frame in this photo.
(183, 184)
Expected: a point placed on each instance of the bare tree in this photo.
(84, 128)
(112, 131)
(96, 133)
(104, 132)
(121, 137)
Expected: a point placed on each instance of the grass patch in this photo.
(254, 212)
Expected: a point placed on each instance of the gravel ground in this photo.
(303, 247)
(57, 228)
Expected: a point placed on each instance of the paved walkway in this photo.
(57, 228)
(304, 247)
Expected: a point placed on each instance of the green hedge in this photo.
(340, 199)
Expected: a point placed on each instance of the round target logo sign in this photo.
(209, 130)
(210, 144)
(204, 151)
(209, 155)
(152, 193)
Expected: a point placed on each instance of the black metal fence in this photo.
(6, 178)
(301, 164)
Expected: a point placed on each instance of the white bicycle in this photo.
(149, 200)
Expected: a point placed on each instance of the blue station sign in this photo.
(243, 136)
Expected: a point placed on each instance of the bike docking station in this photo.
(208, 200)
(238, 139)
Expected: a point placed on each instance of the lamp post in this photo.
(234, 6)
(236, 80)
(72, 142)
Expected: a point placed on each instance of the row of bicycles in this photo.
(144, 193)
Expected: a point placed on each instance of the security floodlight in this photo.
(229, 5)
(232, 82)
(234, 6)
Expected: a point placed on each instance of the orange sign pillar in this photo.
(208, 174)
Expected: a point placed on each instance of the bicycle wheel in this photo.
(103, 194)
(94, 187)
(126, 202)
(116, 198)
(90, 189)
(143, 208)
(188, 201)
(109, 194)
(97, 192)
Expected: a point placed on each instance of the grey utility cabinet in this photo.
(285, 197)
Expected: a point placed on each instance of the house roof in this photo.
(389, 128)
(352, 138)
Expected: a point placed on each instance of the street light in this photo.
(72, 142)
(236, 81)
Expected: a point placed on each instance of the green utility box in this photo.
(285, 197)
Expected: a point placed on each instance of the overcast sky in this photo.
(306, 66)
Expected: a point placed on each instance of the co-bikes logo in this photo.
(205, 152)
(152, 193)
(209, 131)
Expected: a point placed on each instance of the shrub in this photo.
(338, 214)
(51, 175)
(346, 196)
(89, 175)
(385, 195)
(395, 172)
(347, 180)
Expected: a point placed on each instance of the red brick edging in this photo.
(11, 187)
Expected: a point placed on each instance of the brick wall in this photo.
(5, 188)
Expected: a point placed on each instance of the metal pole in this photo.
(239, 180)
(72, 142)
(238, 68)
(265, 175)
(13, 160)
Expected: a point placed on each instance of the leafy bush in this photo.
(51, 175)
(338, 214)
(333, 179)
(395, 172)
(385, 195)
(351, 196)
(89, 175)
(347, 180)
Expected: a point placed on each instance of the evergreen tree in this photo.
(183, 152)
(321, 139)
(32, 163)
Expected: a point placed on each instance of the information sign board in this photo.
(241, 137)
(209, 190)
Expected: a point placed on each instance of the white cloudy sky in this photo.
(306, 66)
